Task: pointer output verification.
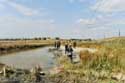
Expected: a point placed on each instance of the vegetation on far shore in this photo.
(10, 46)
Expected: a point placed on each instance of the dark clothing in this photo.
(70, 53)
(58, 44)
(66, 48)
(38, 77)
(74, 44)
(70, 50)
(70, 57)
(55, 44)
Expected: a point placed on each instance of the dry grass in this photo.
(110, 55)
(95, 67)
(89, 44)
(18, 45)
(24, 42)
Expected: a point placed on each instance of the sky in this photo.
(62, 18)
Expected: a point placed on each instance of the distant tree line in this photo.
(35, 38)
(81, 39)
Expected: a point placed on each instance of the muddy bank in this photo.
(74, 76)
(12, 75)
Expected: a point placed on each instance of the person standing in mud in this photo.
(58, 44)
(38, 69)
(74, 44)
(70, 53)
(55, 44)
(66, 48)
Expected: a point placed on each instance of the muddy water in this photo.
(29, 59)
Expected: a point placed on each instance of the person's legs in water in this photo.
(57, 46)
(66, 49)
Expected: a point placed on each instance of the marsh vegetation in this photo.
(105, 65)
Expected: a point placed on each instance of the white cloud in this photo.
(99, 27)
(100, 20)
(109, 6)
(86, 21)
(16, 27)
(23, 9)
(106, 22)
